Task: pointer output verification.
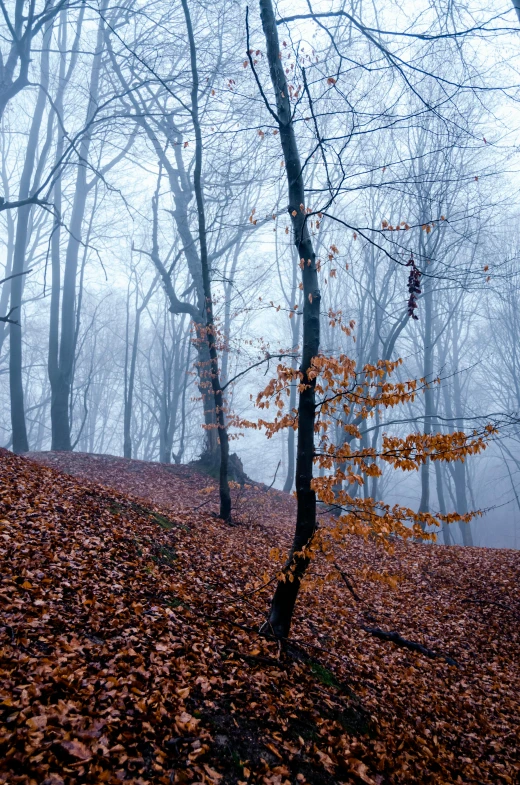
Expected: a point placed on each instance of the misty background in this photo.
(408, 123)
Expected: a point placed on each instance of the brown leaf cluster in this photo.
(129, 649)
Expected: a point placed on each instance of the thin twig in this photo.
(274, 478)
(255, 365)
(347, 583)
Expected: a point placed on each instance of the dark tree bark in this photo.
(209, 322)
(284, 599)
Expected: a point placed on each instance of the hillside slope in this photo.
(129, 649)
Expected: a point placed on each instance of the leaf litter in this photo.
(129, 649)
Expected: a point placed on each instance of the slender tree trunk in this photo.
(5, 294)
(203, 364)
(228, 294)
(446, 534)
(291, 440)
(165, 395)
(424, 505)
(459, 467)
(182, 194)
(18, 424)
(225, 496)
(178, 455)
(182, 197)
(54, 315)
(64, 76)
(19, 56)
(61, 371)
(130, 373)
(375, 436)
(164, 454)
(176, 394)
(284, 599)
(127, 446)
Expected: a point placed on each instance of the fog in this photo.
(141, 163)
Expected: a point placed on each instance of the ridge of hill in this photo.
(129, 649)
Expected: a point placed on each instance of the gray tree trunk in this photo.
(61, 364)
(291, 435)
(429, 408)
(64, 76)
(459, 467)
(18, 424)
(209, 322)
(130, 372)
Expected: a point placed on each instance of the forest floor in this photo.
(129, 649)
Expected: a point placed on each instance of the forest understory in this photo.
(130, 652)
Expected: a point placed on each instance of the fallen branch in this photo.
(347, 582)
(497, 604)
(394, 637)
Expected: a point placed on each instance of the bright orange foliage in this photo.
(346, 401)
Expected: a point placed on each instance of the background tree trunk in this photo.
(209, 322)
(60, 371)
(459, 467)
(18, 424)
(295, 334)
(424, 505)
(65, 74)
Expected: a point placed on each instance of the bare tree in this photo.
(22, 26)
(19, 428)
(284, 598)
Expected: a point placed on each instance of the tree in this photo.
(62, 344)
(284, 598)
(19, 428)
(22, 27)
(130, 368)
(423, 99)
